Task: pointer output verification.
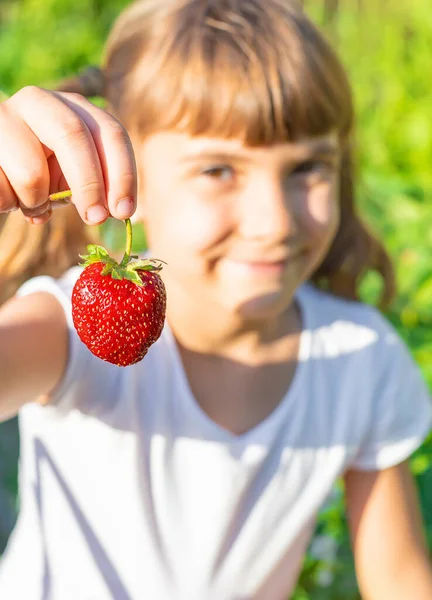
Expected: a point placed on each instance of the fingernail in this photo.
(96, 214)
(40, 219)
(124, 207)
(38, 211)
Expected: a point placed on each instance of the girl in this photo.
(197, 474)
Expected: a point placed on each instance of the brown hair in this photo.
(258, 70)
(29, 250)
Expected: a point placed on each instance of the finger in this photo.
(22, 160)
(57, 183)
(40, 219)
(8, 198)
(115, 154)
(63, 132)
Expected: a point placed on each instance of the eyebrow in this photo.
(321, 148)
(214, 156)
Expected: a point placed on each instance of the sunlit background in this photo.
(386, 47)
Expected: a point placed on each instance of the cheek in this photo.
(185, 224)
(320, 212)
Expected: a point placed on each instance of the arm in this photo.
(49, 142)
(33, 350)
(387, 535)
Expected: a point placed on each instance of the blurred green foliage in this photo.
(386, 49)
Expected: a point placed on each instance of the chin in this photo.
(263, 306)
(259, 292)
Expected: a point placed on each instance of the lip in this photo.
(260, 267)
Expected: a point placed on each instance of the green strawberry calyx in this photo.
(129, 265)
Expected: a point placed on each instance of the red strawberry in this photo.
(119, 309)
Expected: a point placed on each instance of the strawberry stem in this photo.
(60, 195)
(68, 193)
(128, 250)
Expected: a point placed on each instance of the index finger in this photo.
(73, 134)
(115, 154)
(62, 132)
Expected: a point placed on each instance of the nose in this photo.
(265, 212)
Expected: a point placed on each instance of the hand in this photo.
(53, 141)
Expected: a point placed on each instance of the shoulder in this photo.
(329, 309)
(82, 372)
(340, 327)
(362, 372)
(60, 288)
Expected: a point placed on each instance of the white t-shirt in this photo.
(130, 491)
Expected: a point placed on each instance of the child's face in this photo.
(240, 228)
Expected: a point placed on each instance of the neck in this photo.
(208, 328)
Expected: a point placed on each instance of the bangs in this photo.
(258, 71)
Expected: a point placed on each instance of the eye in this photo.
(223, 173)
(310, 166)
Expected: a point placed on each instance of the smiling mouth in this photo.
(263, 267)
(263, 262)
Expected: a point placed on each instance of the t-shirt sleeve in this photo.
(400, 411)
(87, 382)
